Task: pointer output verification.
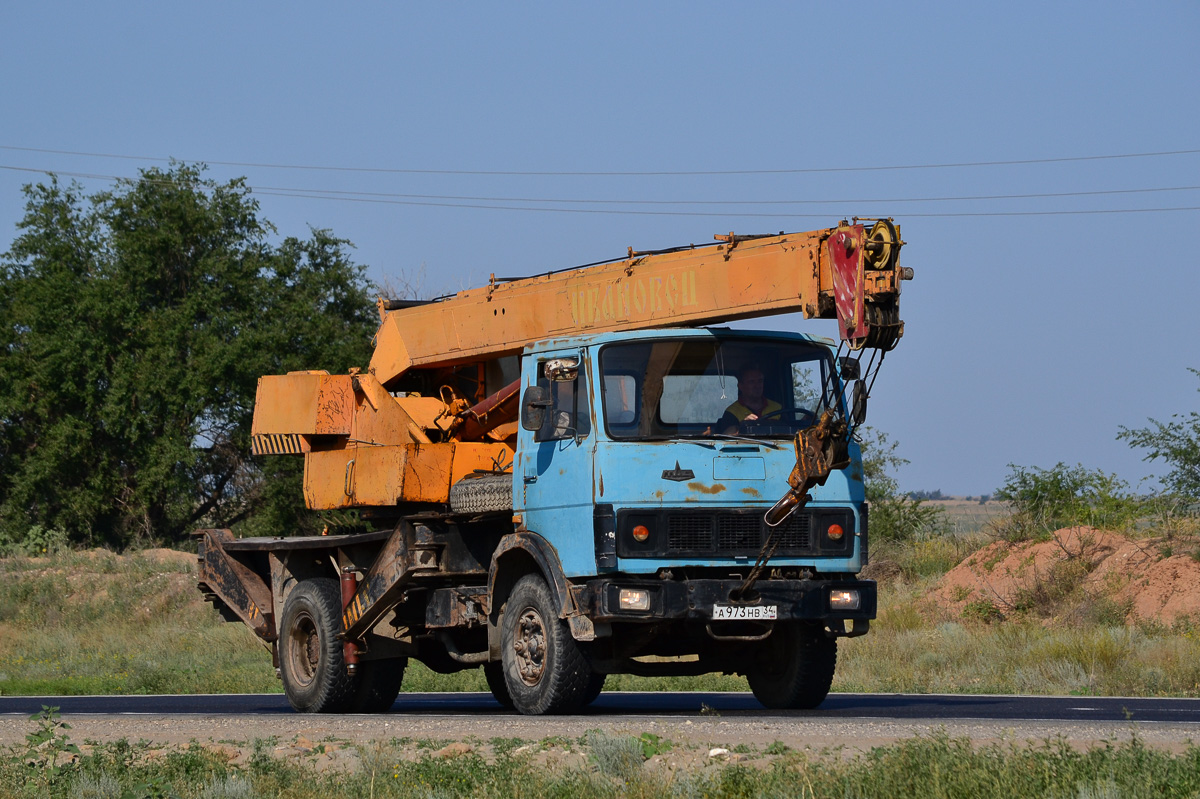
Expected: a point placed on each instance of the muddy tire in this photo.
(488, 493)
(494, 674)
(544, 668)
(310, 652)
(795, 669)
(377, 685)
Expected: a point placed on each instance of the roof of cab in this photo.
(560, 342)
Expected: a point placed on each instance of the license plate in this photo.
(745, 612)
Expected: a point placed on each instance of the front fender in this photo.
(522, 553)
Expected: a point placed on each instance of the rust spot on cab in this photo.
(751, 492)
(715, 488)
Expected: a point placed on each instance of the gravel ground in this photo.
(814, 734)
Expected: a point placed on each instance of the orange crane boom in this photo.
(848, 271)
(365, 446)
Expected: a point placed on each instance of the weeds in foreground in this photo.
(48, 757)
(617, 766)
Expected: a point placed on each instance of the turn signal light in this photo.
(641, 533)
(835, 532)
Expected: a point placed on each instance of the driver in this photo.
(751, 405)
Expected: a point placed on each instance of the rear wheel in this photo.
(544, 668)
(795, 668)
(377, 685)
(310, 652)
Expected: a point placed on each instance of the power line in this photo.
(319, 194)
(336, 193)
(631, 173)
(614, 211)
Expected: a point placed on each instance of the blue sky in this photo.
(1029, 338)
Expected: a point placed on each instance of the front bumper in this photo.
(693, 600)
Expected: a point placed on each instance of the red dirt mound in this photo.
(1141, 575)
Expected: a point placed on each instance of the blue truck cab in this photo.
(644, 475)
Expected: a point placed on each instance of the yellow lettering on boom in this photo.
(626, 297)
(639, 296)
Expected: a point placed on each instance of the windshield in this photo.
(680, 388)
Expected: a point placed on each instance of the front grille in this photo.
(688, 533)
(739, 531)
(730, 533)
(796, 532)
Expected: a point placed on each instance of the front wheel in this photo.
(594, 687)
(544, 668)
(493, 673)
(795, 668)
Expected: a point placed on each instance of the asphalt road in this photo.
(912, 707)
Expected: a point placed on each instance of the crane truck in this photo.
(578, 474)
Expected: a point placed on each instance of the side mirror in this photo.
(858, 403)
(849, 368)
(533, 407)
(561, 370)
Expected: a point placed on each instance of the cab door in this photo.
(553, 472)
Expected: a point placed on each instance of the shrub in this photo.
(34, 541)
(1044, 500)
(983, 610)
(1178, 444)
(617, 756)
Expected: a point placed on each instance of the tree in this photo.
(1178, 443)
(895, 516)
(135, 324)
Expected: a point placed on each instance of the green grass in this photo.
(609, 766)
(79, 623)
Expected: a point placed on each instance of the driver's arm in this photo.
(728, 425)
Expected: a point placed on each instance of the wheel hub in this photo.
(530, 647)
(304, 650)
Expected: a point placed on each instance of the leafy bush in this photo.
(1044, 500)
(1178, 444)
(36, 540)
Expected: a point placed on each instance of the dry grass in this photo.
(98, 623)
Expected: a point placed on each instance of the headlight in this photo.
(635, 599)
(844, 600)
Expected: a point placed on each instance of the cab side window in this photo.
(568, 416)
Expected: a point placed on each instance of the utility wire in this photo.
(631, 173)
(338, 194)
(613, 211)
(318, 194)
